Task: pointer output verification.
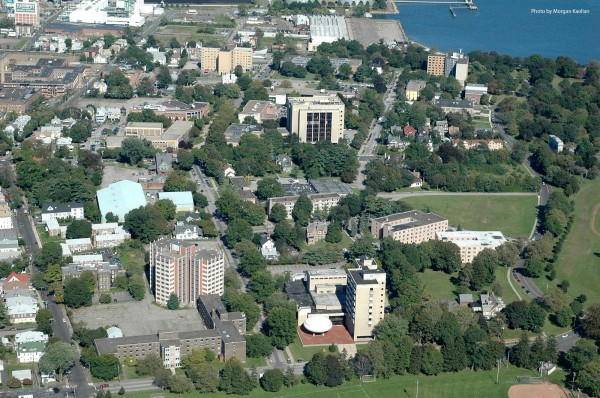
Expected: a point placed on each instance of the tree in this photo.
(179, 384)
(268, 187)
(433, 360)
(137, 287)
(591, 322)
(583, 352)
(261, 285)
(535, 268)
(79, 229)
(238, 230)
(105, 366)
(163, 77)
(149, 365)
(344, 71)
(77, 293)
(316, 369)
(588, 378)
(520, 354)
(205, 377)
(258, 346)
(167, 208)
(334, 233)
(105, 298)
(278, 213)
(133, 150)
(58, 358)
(391, 328)
(234, 379)
(508, 254)
(178, 181)
(336, 371)
(272, 380)
(51, 254)
(455, 355)
(121, 391)
(110, 217)
(173, 302)
(281, 326)
(302, 210)
(146, 223)
(43, 319)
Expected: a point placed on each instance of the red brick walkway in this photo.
(337, 335)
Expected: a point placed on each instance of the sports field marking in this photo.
(358, 393)
(363, 389)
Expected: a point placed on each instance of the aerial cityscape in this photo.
(283, 198)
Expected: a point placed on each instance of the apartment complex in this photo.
(316, 118)
(471, 243)
(224, 336)
(365, 300)
(187, 268)
(409, 227)
(225, 59)
(320, 201)
(435, 64)
(60, 211)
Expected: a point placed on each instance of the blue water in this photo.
(507, 27)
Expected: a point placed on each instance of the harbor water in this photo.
(514, 27)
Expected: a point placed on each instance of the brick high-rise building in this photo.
(436, 64)
(187, 268)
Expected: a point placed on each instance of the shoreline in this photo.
(391, 9)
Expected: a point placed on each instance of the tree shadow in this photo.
(597, 254)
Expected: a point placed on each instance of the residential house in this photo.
(22, 313)
(112, 240)
(188, 218)
(316, 231)
(453, 131)
(268, 249)
(441, 126)
(30, 346)
(413, 88)
(474, 92)
(228, 171)
(164, 163)
(285, 162)
(60, 211)
(395, 141)
(187, 232)
(409, 131)
(15, 281)
(556, 143)
(465, 300)
(417, 180)
(489, 305)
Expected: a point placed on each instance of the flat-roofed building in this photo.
(317, 277)
(234, 133)
(187, 268)
(104, 272)
(224, 59)
(471, 243)
(143, 129)
(17, 99)
(259, 110)
(319, 201)
(119, 198)
(409, 227)
(6, 221)
(436, 64)
(473, 92)
(326, 29)
(365, 301)
(316, 118)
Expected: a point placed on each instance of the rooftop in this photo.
(120, 198)
(412, 217)
(472, 238)
(330, 185)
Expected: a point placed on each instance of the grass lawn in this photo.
(447, 385)
(344, 244)
(579, 260)
(306, 353)
(437, 285)
(277, 75)
(45, 238)
(250, 362)
(481, 123)
(513, 215)
(508, 295)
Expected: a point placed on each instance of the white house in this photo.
(22, 374)
(187, 232)
(30, 337)
(268, 249)
(60, 211)
(228, 171)
(22, 313)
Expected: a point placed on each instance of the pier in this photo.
(465, 3)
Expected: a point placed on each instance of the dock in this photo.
(465, 3)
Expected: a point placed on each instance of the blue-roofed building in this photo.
(120, 198)
(183, 201)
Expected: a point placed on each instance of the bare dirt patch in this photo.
(545, 390)
(593, 220)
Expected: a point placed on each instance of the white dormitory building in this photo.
(60, 211)
(471, 243)
(126, 13)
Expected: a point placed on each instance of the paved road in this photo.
(131, 385)
(508, 272)
(566, 340)
(402, 195)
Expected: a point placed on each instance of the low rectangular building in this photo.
(319, 201)
(473, 92)
(79, 245)
(183, 201)
(61, 211)
(259, 110)
(105, 273)
(234, 133)
(471, 243)
(408, 227)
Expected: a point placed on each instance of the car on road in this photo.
(64, 320)
(104, 385)
(527, 291)
(522, 286)
(564, 336)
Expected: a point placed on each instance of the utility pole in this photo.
(498, 372)
(417, 396)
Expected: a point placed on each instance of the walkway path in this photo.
(511, 284)
(593, 220)
(402, 195)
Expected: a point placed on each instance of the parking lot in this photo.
(136, 318)
(117, 172)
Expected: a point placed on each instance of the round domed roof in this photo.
(318, 324)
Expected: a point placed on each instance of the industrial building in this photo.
(316, 118)
(326, 29)
(183, 201)
(224, 59)
(471, 243)
(51, 76)
(119, 198)
(119, 12)
(176, 110)
(408, 227)
(187, 268)
(17, 99)
(27, 17)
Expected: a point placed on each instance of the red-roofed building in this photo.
(409, 131)
(16, 281)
